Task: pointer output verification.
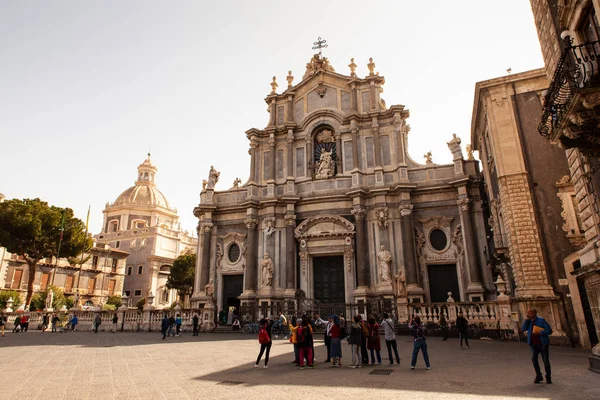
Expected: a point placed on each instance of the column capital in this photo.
(204, 227)
(354, 126)
(464, 204)
(290, 135)
(290, 219)
(251, 223)
(272, 140)
(308, 139)
(359, 213)
(405, 210)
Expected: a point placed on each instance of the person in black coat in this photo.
(195, 325)
(164, 326)
(463, 329)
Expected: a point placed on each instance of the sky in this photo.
(88, 88)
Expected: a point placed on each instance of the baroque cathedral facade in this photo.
(335, 206)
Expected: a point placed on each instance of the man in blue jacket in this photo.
(538, 332)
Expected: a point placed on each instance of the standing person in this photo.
(2, 322)
(305, 343)
(54, 322)
(363, 344)
(195, 325)
(336, 341)
(538, 330)
(115, 321)
(264, 338)
(281, 323)
(354, 340)
(97, 322)
(74, 322)
(164, 325)
(70, 322)
(390, 338)
(178, 323)
(463, 329)
(230, 317)
(171, 326)
(25, 323)
(294, 340)
(17, 324)
(45, 322)
(221, 312)
(444, 326)
(326, 334)
(420, 342)
(374, 341)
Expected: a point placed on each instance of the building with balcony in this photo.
(142, 223)
(569, 36)
(526, 239)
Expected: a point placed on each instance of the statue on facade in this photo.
(49, 298)
(267, 270)
(213, 177)
(317, 63)
(470, 153)
(326, 165)
(269, 227)
(237, 182)
(400, 284)
(204, 183)
(371, 66)
(454, 146)
(209, 289)
(427, 156)
(352, 67)
(274, 86)
(384, 258)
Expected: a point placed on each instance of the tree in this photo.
(8, 294)
(114, 300)
(182, 274)
(38, 300)
(32, 229)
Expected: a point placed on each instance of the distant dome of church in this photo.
(145, 192)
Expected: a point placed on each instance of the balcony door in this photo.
(16, 282)
(91, 285)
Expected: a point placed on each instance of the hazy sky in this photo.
(88, 87)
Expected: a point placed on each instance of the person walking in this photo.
(115, 321)
(264, 338)
(164, 325)
(195, 325)
(463, 329)
(305, 343)
(336, 341)
(538, 332)
(2, 322)
(363, 345)
(294, 339)
(374, 341)
(171, 326)
(178, 323)
(97, 322)
(17, 323)
(390, 338)
(25, 323)
(443, 326)
(280, 325)
(45, 319)
(420, 342)
(74, 322)
(54, 321)
(355, 340)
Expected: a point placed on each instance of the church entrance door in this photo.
(233, 286)
(329, 286)
(443, 279)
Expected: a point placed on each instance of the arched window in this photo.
(165, 296)
(113, 225)
(89, 303)
(145, 176)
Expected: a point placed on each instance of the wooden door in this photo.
(91, 285)
(69, 284)
(16, 282)
(44, 282)
(329, 286)
(111, 287)
(443, 279)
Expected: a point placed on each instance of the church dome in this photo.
(145, 192)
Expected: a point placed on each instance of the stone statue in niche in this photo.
(267, 271)
(384, 258)
(213, 177)
(269, 227)
(400, 284)
(326, 167)
(209, 289)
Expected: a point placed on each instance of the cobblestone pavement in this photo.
(84, 365)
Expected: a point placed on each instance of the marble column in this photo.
(355, 144)
(289, 115)
(408, 244)
(338, 153)
(251, 261)
(361, 247)
(252, 153)
(290, 252)
(470, 244)
(272, 157)
(206, 243)
(354, 106)
(376, 142)
(290, 154)
(310, 156)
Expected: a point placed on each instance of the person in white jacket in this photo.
(390, 338)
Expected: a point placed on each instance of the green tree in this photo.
(182, 274)
(140, 304)
(115, 300)
(38, 300)
(7, 294)
(32, 229)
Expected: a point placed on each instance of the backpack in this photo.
(263, 335)
(301, 335)
(419, 333)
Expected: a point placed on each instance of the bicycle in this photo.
(251, 327)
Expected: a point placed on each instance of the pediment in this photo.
(324, 226)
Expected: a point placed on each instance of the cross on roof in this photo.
(320, 44)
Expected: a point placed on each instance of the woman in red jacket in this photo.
(374, 341)
(336, 342)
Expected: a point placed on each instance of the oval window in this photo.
(233, 253)
(438, 239)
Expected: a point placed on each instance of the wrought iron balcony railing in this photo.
(577, 69)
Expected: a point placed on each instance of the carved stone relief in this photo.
(224, 264)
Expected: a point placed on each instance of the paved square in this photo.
(84, 365)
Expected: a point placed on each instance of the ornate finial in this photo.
(274, 86)
(290, 79)
(320, 44)
(371, 66)
(352, 67)
(427, 156)
(470, 153)
(236, 182)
